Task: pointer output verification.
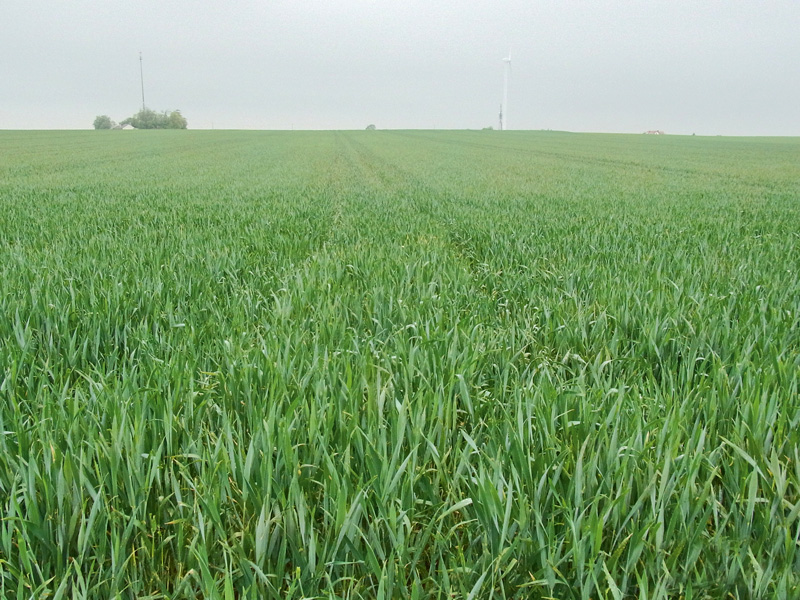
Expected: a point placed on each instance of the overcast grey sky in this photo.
(727, 67)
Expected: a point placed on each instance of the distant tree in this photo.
(370, 127)
(144, 119)
(177, 120)
(150, 119)
(103, 122)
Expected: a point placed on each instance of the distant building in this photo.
(654, 132)
(127, 126)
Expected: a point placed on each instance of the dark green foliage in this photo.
(103, 122)
(150, 119)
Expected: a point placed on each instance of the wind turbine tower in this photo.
(506, 76)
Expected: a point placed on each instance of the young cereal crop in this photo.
(398, 365)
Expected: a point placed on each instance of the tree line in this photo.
(145, 119)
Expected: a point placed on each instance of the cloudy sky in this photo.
(729, 67)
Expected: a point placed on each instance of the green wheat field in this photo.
(410, 364)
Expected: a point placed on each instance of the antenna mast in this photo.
(141, 76)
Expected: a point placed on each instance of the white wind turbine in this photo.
(507, 75)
